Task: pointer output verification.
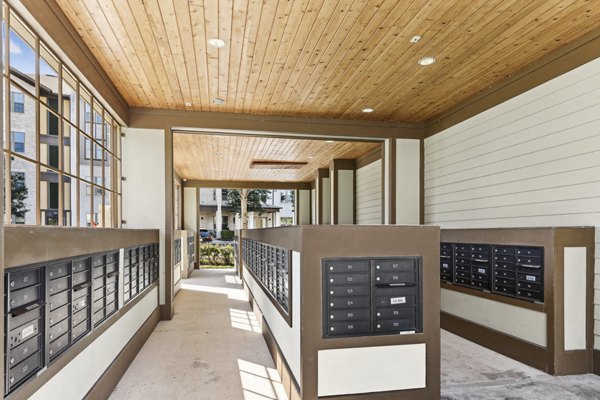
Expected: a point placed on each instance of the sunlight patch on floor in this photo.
(245, 320)
(233, 294)
(233, 279)
(260, 382)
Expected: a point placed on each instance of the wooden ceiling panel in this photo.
(321, 58)
(217, 157)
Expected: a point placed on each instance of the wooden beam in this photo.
(248, 185)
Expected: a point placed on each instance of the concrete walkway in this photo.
(213, 348)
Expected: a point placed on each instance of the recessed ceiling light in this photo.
(329, 141)
(367, 110)
(216, 43)
(310, 157)
(217, 100)
(415, 39)
(188, 104)
(426, 61)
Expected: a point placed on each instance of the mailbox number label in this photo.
(398, 300)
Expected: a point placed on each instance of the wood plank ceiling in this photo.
(321, 58)
(228, 158)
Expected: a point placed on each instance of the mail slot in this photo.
(336, 291)
(348, 279)
(58, 315)
(79, 330)
(530, 294)
(98, 260)
(504, 258)
(80, 291)
(24, 296)
(111, 279)
(395, 265)
(504, 289)
(395, 300)
(505, 281)
(350, 315)
(349, 327)
(58, 270)
(504, 250)
(505, 266)
(57, 345)
(396, 325)
(59, 329)
(349, 302)
(538, 287)
(401, 278)
(504, 273)
(58, 285)
(112, 267)
(23, 279)
(395, 313)
(530, 251)
(58, 300)
(81, 277)
(24, 350)
(79, 265)
(24, 332)
(23, 370)
(530, 261)
(112, 257)
(527, 277)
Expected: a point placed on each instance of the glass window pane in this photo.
(69, 97)
(23, 120)
(117, 140)
(117, 164)
(95, 217)
(98, 134)
(118, 206)
(106, 212)
(49, 214)
(85, 111)
(108, 124)
(22, 55)
(108, 162)
(23, 191)
(70, 201)
(49, 83)
(70, 149)
(84, 204)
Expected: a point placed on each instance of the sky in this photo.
(22, 56)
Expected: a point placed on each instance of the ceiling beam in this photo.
(248, 185)
(218, 122)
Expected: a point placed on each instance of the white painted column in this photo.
(408, 182)
(238, 221)
(219, 214)
(251, 220)
(276, 219)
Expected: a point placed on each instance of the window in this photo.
(63, 135)
(17, 102)
(18, 141)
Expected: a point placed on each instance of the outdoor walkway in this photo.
(213, 348)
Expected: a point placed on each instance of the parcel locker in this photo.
(24, 324)
(446, 262)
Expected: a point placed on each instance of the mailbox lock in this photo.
(12, 283)
(12, 360)
(51, 351)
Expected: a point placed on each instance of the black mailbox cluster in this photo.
(191, 251)
(177, 251)
(270, 266)
(106, 274)
(140, 269)
(51, 306)
(516, 271)
(372, 296)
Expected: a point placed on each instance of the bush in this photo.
(227, 235)
(216, 254)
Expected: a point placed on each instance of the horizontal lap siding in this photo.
(531, 161)
(368, 194)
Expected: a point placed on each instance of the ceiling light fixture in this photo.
(310, 157)
(218, 101)
(415, 39)
(367, 110)
(329, 141)
(216, 43)
(426, 61)
(188, 104)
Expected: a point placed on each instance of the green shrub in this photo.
(216, 254)
(227, 235)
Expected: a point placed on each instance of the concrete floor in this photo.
(213, 350)
(471, 372)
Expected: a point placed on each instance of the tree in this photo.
(19, 193)
(256, 198)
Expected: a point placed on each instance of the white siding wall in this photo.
(368, 194)
(531, 161)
